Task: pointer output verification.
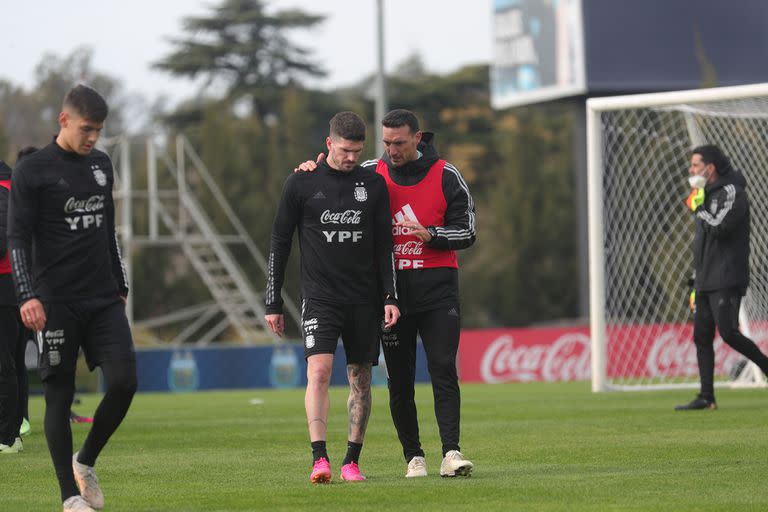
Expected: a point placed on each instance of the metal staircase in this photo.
(187, 224)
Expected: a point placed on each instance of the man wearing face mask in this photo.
(721, 253)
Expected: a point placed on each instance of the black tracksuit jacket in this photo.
(721, 243)
(345, 235)
(61, 227)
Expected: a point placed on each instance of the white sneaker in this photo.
(417, 467)
(16, 447)
(454, 464)
(88, 484)
(76, 504)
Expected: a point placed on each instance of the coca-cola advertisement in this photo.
(524, 355)
(564, 353)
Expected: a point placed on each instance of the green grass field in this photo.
(535, 447)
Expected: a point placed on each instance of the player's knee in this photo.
(442, 366)
(125, 386)
(702, 339)
(730, 334)
(319, 374)
(400, 380)
(122, 382)
(362, 386)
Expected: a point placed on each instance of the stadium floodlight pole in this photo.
(152, 189)
(381, 79)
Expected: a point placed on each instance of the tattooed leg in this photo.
(359, 402)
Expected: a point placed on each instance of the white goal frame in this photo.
(751, 376)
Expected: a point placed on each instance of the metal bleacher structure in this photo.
(175, 217)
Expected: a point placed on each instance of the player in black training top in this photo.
(342, 214)
(71, 286)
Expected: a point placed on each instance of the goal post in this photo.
(640, 232)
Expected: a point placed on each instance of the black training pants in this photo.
(12, 372)
(101, 328)
(439, 330)
(720, 308)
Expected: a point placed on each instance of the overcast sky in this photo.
(126, 36)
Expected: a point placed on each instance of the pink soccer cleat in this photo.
(321, 471)
(76, 418)
(351, 472)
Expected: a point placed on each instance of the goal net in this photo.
(641, 232)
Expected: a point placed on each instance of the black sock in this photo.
(353, 452)
(318, 451)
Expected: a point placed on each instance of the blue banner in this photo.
(184, 369)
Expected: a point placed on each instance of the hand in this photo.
(695, 199)
(391, 315)
(416, 229)
(33, 315)
(276, 323)
(309, 165)
(124, 299)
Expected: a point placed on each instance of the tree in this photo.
(246, 48)
(3, 143)
(523, 270)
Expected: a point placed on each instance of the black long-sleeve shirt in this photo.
(61, 227)
(345, 236)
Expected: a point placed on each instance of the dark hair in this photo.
(25, 151)
(347, 125)
(711, 154)
(87, 102)
(401, 117)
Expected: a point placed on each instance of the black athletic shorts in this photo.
(357, 325)
(98, 326)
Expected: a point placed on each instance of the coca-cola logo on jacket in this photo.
(567, 358)
(92, 204)
(410, 248)
(345, 217)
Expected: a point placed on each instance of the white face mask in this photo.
(697, 181)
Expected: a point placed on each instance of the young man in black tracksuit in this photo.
(342, 215)
(721, 253)
(71, 286)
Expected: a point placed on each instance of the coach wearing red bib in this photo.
(432, 216)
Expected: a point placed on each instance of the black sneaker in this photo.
(698, 403)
